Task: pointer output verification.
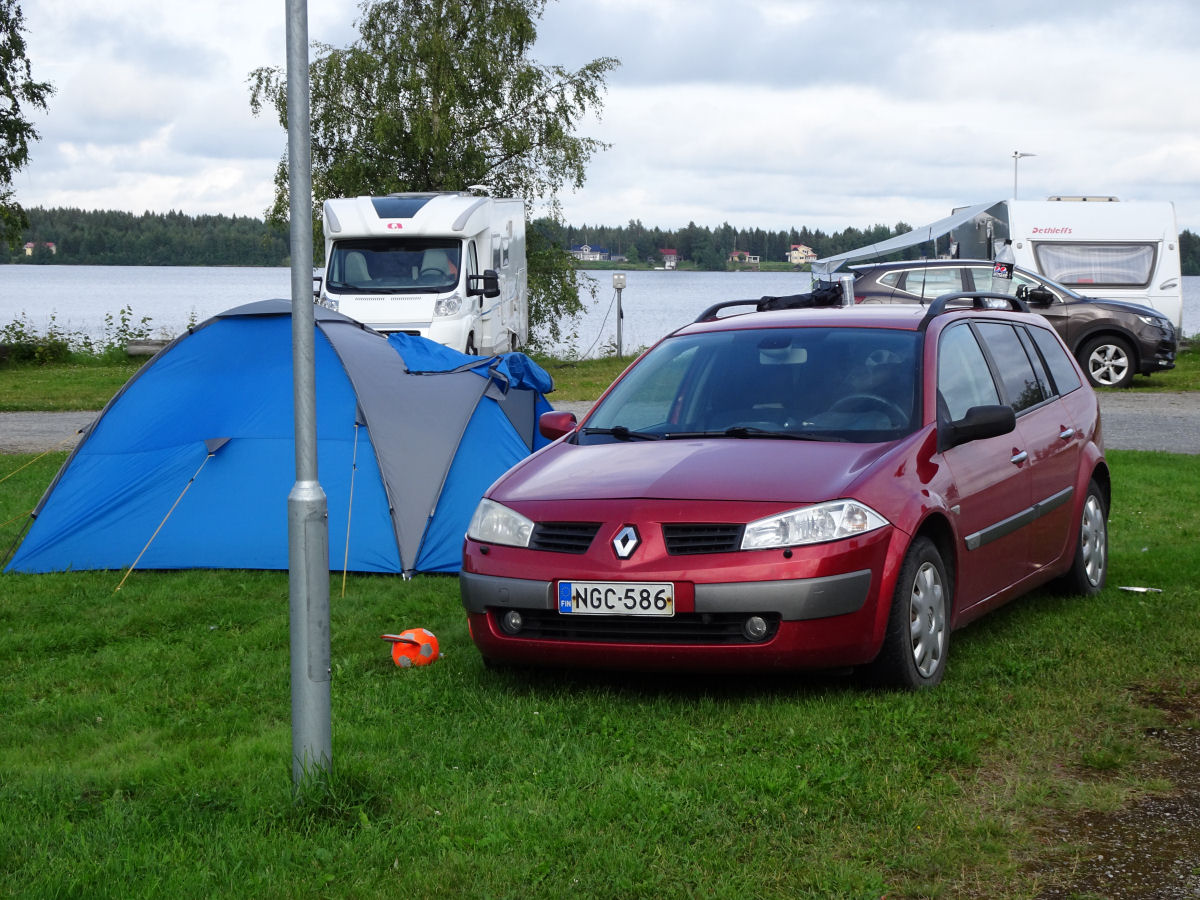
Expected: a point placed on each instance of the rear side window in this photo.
(1114, 265)
(1066, 379)
(964, 379)
(933, 282)
(1021, 383)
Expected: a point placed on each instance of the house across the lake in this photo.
(800, 254)
(588, 253)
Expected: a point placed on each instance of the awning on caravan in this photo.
(824, 267)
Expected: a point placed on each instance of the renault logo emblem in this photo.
(626, 542)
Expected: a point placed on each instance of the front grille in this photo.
(687, 539)
(563, 537)
(682, 628)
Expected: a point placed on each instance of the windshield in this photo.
(839, 384)
(982, 276)
(393, 265)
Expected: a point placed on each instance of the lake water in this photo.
(653, 302)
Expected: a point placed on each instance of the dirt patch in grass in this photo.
(1151, 847)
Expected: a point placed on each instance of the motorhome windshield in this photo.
(394, 265)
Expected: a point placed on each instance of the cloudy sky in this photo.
(767, 113)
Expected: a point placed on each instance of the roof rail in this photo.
(711, 313)
(978, 300)
(822, 295)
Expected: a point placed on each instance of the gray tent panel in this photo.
(824, 267)
(521, 409)
(415, 431)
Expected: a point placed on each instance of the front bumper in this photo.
(810, 623)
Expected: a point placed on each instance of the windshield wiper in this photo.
(749, 431)
(745, 431)
(621, 433)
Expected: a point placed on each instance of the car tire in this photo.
(1107, 361)
(1089, 568)
(915, 646)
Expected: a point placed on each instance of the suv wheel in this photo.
(1107, 361)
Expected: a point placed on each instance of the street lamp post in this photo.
(1017, 154)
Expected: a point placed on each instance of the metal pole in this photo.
(308, 525)
(620, 316)
(1017, 154)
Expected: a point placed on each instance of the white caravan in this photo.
(1099, 246)
(449, 266)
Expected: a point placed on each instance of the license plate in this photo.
(616, 598)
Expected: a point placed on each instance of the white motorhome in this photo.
(449, 266)
(1099, 246)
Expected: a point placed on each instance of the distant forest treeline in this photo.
(99, 238)
(109, 238)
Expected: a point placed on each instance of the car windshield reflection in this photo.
(831, 384)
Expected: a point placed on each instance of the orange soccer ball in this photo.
(414, 647)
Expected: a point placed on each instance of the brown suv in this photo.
(1113, 340)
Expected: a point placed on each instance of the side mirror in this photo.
(555, 424)
(1041, 296)
(317, 282)
(980, 422)
(487, 284)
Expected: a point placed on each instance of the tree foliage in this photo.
(113, 238)
(709, 248)
(18, 93)
(442, 95)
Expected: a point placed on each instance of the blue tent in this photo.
(191, 463)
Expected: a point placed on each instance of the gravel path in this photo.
(1132, 421)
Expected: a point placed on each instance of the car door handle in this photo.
(1019, 458)
(1067, 433)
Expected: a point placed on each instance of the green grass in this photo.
(1184, 377)
(84, 383)
(88, 383)
(145, 742)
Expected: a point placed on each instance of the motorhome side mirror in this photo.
(317, 282)
(979, 422)
(487, 284)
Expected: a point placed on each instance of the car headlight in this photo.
(329, 303)
(1155, 322)
(812, 525)
(494, 523)
(448, 306)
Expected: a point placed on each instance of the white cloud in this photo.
(767, 113)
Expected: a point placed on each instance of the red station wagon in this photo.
(796, 489)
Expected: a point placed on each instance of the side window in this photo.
(964, 379)
(496, 252)
(472, 260)
(1066, 378)
(1035, 359)
(933, 281)
(1021, 383)
(504, 252)
(891, 279)
(1119, 265)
